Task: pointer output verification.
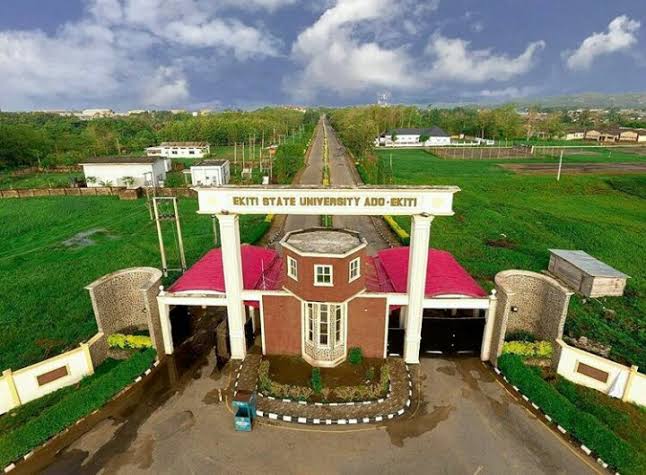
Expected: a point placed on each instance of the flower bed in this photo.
(597, 436)
(372, 389)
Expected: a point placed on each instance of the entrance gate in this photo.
(452, 334)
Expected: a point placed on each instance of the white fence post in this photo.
(13, 392)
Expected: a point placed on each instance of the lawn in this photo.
(602, 215)
(45, 263)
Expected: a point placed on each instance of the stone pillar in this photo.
(233, 283)
(167, 334)
(420, 234)
(487, 334)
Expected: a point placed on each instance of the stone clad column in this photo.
(420, 234)
(233, 282)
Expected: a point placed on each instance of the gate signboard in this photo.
(359, 201)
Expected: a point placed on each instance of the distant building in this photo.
(131, 172)
(180, 150)
(210, 173)
(410, 137)
(575, 134)
(89, 114)
(632, 135)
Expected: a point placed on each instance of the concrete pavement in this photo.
(463, 423)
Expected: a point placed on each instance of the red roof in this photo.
(261, 269)
(444, 275)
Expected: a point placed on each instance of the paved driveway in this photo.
(464, 423)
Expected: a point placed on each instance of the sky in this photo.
(161, 54)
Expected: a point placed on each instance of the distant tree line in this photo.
(41, 139)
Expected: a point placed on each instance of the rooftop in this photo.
(210, 163)
(587, 263)
(184, 144)
(119, 160)
(430, 131)
(324, 241)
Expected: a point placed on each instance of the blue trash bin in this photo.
(244, 406)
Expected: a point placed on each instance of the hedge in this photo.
(584, 426)
(537, 349)
(119, 340)
(91, 393)
(401, 233)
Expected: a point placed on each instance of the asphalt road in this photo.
(312, 175)
(341, 174)
(464, 423)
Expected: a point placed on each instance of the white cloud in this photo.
(110, 56)
(621, 35)
(337, 56)
(511, 92)
(454, 60)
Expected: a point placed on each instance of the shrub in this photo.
(325, 393)
(520, 335)
(587, 428)
(401, 233)
(264, 381)
(118, 340)
(355, 355)
(384, 379)
(538, 349)
(91, 393)
(316, 381)
(370, 373)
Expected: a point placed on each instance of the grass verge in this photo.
(36, 422)
(587, 428)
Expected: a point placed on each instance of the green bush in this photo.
(316, 381)
(91, 393)
(587, 428)
(537, 349)
(520, 335)
(370, 373)
(355, 355)
(119, 340)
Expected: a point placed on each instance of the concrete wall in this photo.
(35, 381)
(127, 298)
(587, 369)
(114, 173)
(528, 301)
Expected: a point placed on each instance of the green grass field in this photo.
(44, 308)
(506, 221)
(37, 180)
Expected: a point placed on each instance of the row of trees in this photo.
(30, 139)
(358, 126)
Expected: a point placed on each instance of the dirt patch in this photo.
(502, 241)
(296, 371)
(576, 168)
(87, 238)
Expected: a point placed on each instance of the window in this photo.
(323, 275)
(338, 324)
(324, 324)
(174, 152)
(355, 269)
(310, 321)
(292, 268)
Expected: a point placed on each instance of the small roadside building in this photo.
(632, 135)
(131, 172)
(180, 150)
(414, 137)
(210, 173)
(574, 134)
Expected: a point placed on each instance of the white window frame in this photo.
(327, 324)
(318, 267)
(357, 270)
(292, 273)
(338, 324)
(309, 322)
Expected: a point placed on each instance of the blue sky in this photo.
(129, 54)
